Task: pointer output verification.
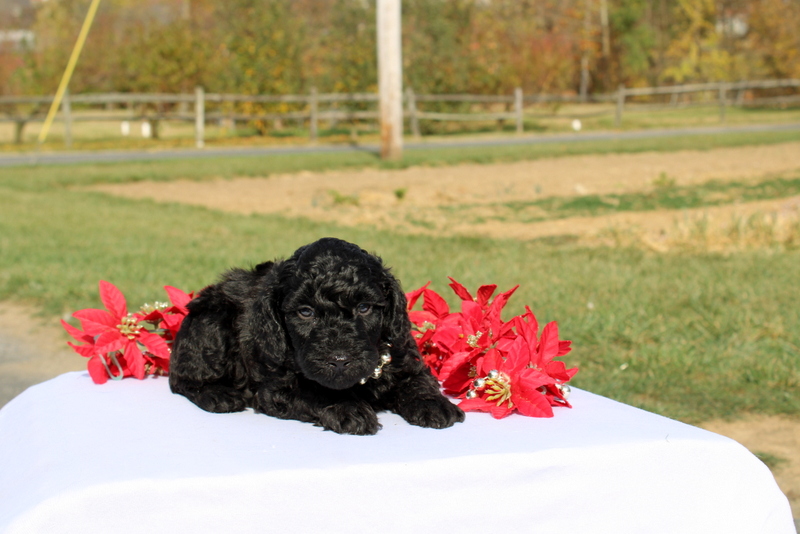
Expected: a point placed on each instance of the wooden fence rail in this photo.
(314, 107)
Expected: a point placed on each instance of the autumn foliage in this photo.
(488, 47)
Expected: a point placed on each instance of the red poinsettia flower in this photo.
(114, 333)
(100, 366)
(496, 366)
(174, 315)
(510, 386)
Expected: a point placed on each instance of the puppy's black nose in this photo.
(339, 362)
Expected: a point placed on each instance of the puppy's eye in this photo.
(306, 312)
(363, 309)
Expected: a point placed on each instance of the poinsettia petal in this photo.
(95, 322)
(572, 372)
(86, 351)
(517, 357)
(459, 381)
(435, 304)
(505, 330)
(460, 290)
(485, 293)
(532, 379)
(532, 404)
(473, 316)
(450, 338)
(454, 362)
(173, 323)
(491, 360)
(154, 317)
(558, 370)
(113, 299)
(499, 412)
(77, 334)
(155, 344)
(97, 370)
(421, 317)
(177, 297)
(160, 363)
(496, 307)
(527, 325)
(475, 405)
(548, 343)
(556, 397)
(135, 360)
(109, 341)
(564, 347)
(413, 296)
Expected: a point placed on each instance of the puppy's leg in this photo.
(211, 397)
(330, 410)
(417, 399)
(349, 417)
(205, 367)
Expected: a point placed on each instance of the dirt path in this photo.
(432, 200)
(32, 350)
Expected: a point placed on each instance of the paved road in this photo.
(54, 158)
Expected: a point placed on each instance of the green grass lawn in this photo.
(691, 336)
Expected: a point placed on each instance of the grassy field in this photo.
(691, 335)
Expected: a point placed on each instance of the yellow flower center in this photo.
(129, 327)
(498, 388)
(472, 340)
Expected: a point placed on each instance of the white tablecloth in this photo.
(131, 457)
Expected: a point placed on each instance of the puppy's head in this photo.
(338, 305)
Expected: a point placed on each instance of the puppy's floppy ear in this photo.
(265, 326)
(396, 325)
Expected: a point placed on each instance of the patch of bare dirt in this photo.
(32, 350)
(434, 200)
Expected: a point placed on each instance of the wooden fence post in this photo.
(19, 128)
(199, 116)
(66, 109)
(518, 105)
(620, 105)
(413, 119)
(723, 90)
(313, 102)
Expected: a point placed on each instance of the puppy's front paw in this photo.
(220, 399)
(350, 418)
(437, 412)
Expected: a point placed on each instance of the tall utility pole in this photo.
(390, 78)
(605, 29)
(587, 21)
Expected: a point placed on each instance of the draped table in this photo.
(129, 456)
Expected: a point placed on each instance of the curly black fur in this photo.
(294, 339)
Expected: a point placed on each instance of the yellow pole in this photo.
(73, 60)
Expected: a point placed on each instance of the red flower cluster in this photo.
(120, 344)
(495, 366)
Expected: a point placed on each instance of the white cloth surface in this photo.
(130, 456)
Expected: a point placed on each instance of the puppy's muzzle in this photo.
(339, 362)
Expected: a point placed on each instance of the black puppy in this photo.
(322, 337)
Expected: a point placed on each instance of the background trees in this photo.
(478, 46)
